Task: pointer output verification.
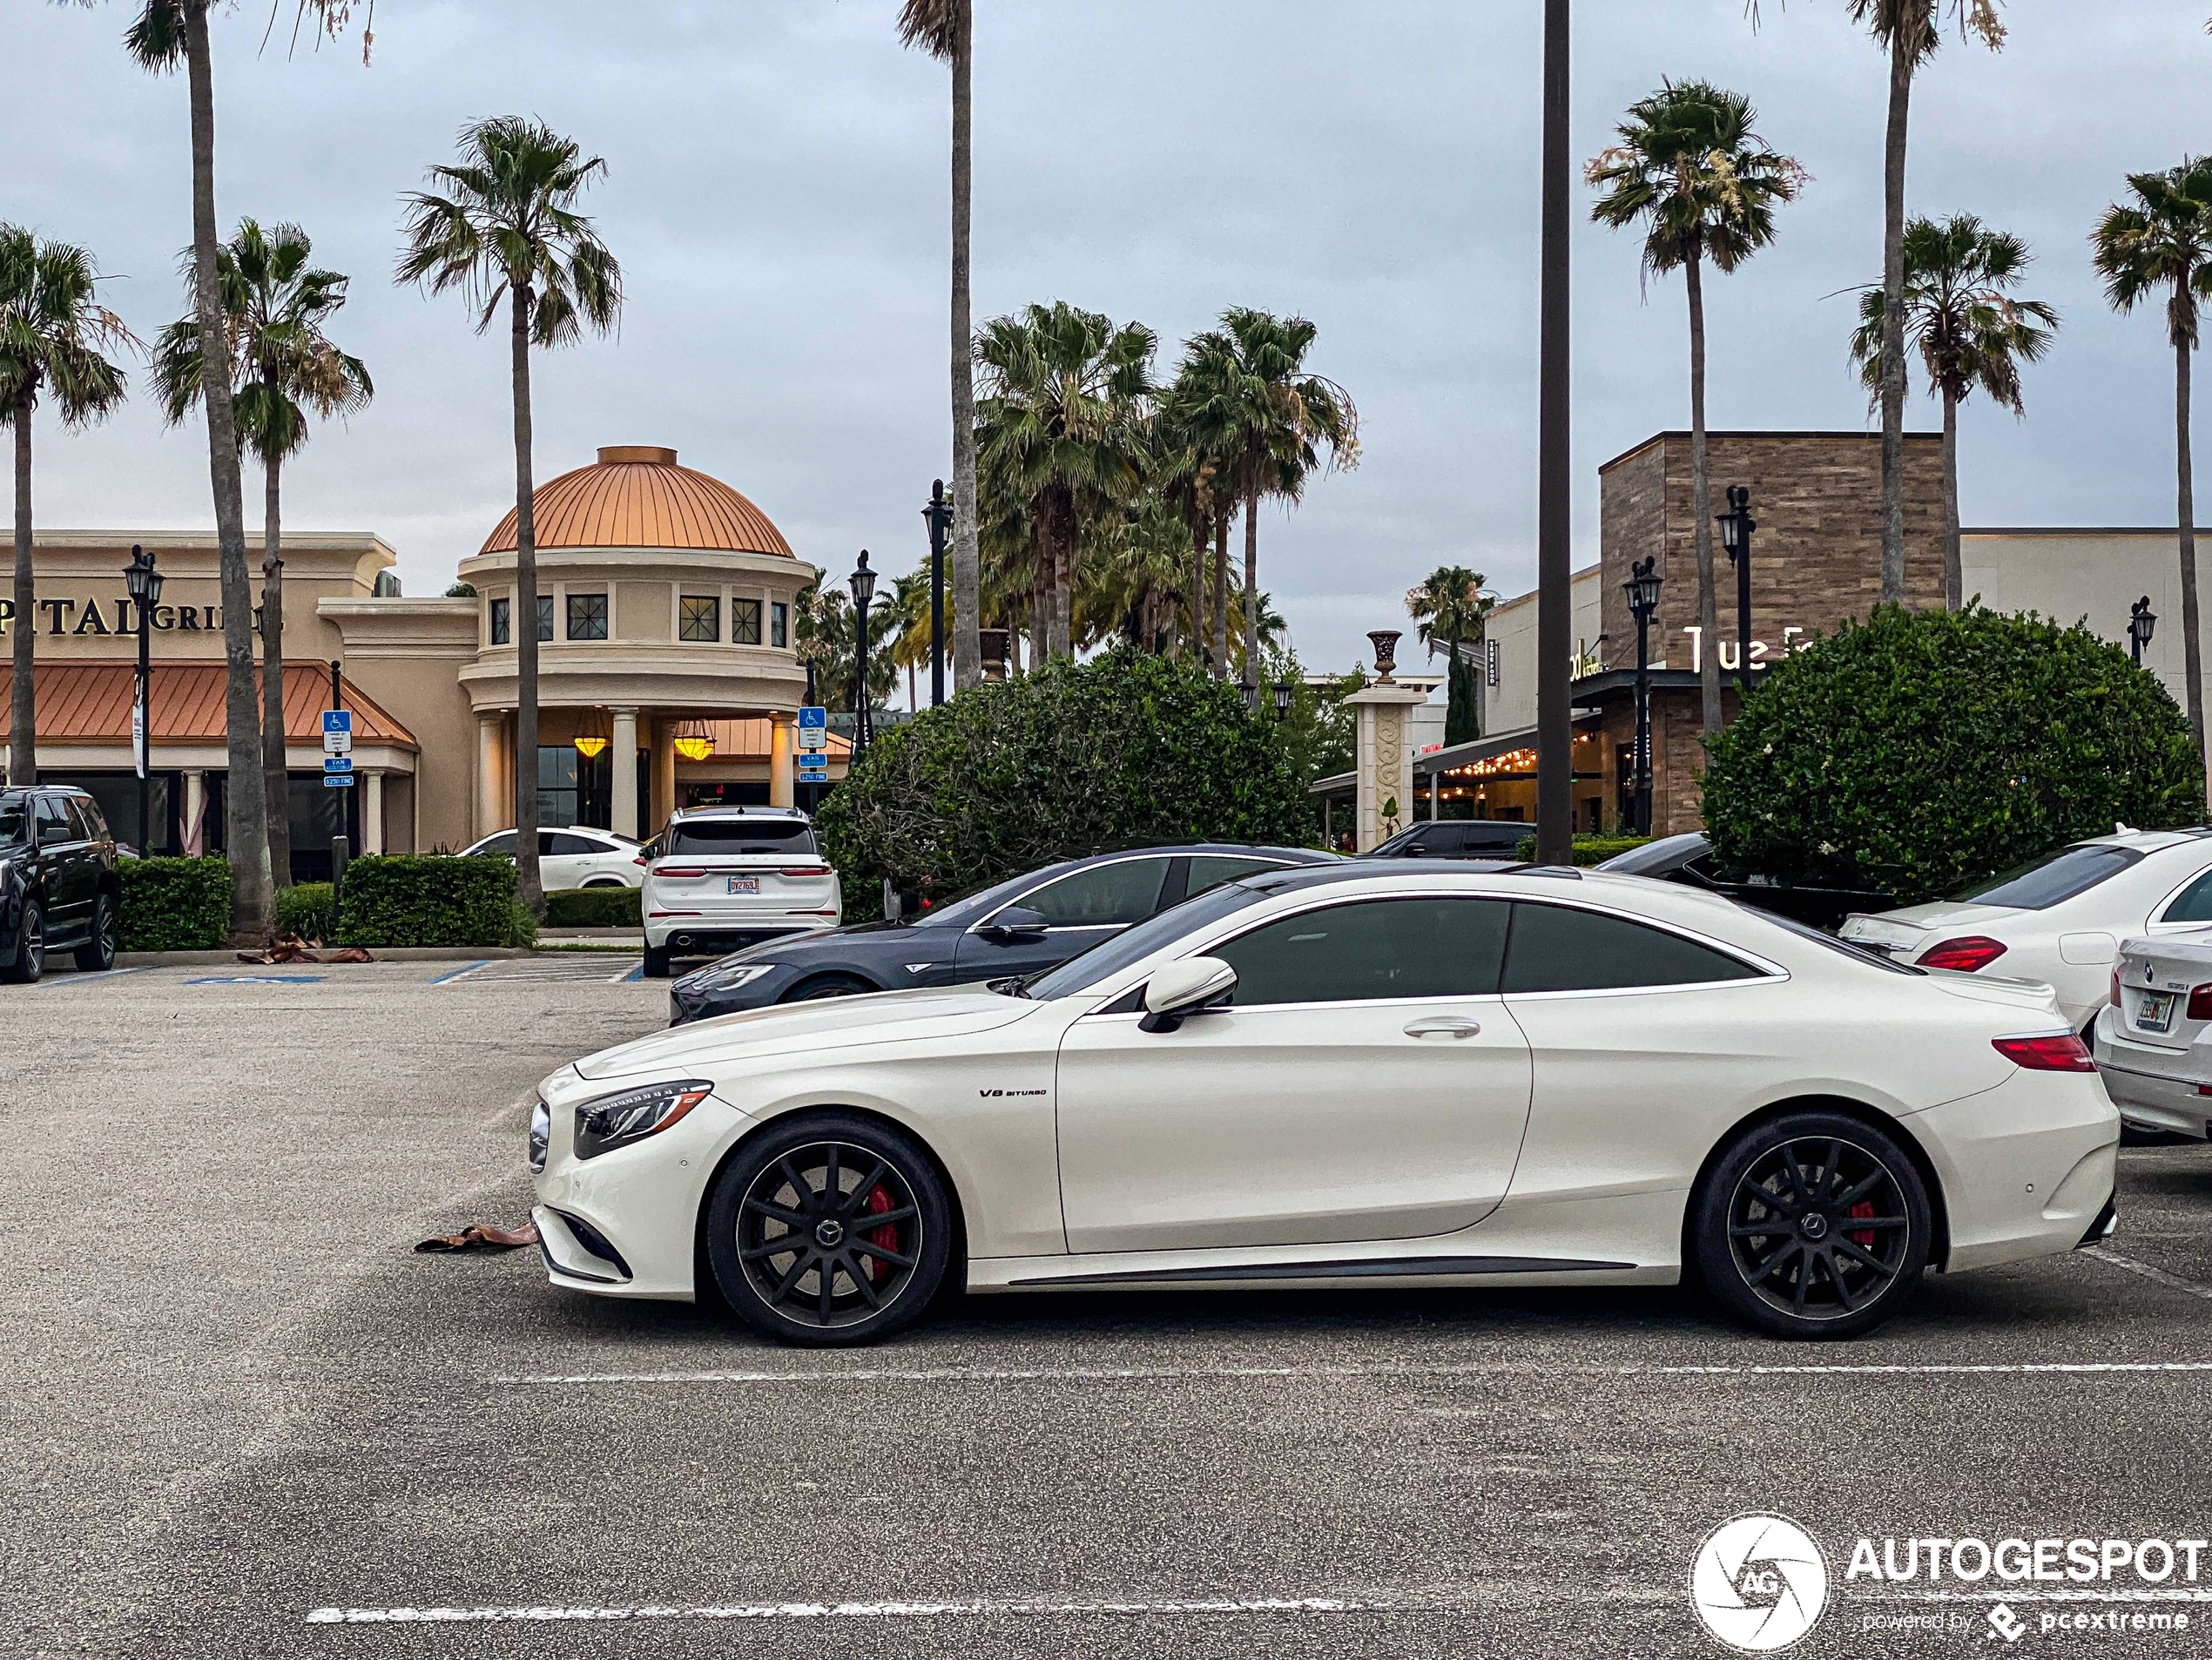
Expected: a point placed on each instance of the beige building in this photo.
(664, 620)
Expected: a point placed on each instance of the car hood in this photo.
(811, 1028)
(1910, 927)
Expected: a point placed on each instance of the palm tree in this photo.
(54, 338)
(946, 29)
(506, 228)
(1704, 184)
(2161, 240)
(282, 367)
(1450, 609)
(1252, 405)
(1970, 331)
(167, 33)
(1062, 427)
(906, 626)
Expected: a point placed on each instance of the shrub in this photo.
(1588, 850)
(174, 904)
(1913, 753)
(303, 910)
(416, 899)
(593, 907)
(1128, 749)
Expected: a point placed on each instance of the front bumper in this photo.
(687, 1003)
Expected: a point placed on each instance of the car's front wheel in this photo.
(1816, 1224)
(29, 960)
(97, 954)
(829, 1231)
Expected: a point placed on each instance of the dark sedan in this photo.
(1022, 926)
(1689, 860)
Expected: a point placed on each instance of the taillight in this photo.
(805, 870)
(640, 860)
(2200, 1005)
(2116, 1003)
(682, 870)
(1966, 954)
(2062, 1052)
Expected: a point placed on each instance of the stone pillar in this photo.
(782, 791)
(622, 761)
(373, 811)
(664, 802)
(192, 828)
(494, 804)
(1384, 761)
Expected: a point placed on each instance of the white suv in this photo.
(576, 857)
(720, 879)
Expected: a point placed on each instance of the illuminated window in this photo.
(699, 617)
(744, 621)
(587, 616)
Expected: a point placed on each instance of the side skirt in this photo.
(1362, 1268)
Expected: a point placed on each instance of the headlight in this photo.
(729, 979)
(616, 1120)
(541, 1134)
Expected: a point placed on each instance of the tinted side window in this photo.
(90, 823)
(500, 847)
(559, 842)
(53, 822)
(1557, 948)
(1116, 894)
(1212, 869)
(2193, 903)
(1381, 948)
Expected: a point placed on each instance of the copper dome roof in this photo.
(636, 497)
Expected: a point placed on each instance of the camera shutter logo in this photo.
(1758, 1583)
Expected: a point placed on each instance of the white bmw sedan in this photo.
(1347, 1074)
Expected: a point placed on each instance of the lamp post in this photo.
(1642, 589)
(1250, 693)
(1736, 525)
(1282, 700)
(143, 582)
(863, 581)
(940, 515)
(2141, 621)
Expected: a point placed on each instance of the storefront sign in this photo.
(1729, 652)
(90, 616)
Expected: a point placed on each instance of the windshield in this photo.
(1132, 945)
(15, 823)
(2043, 882)
(762, 835)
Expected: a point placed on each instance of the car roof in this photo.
(2147, 840)
(736, 810)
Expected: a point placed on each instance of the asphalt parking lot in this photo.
(243, 1418)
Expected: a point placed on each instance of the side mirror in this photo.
(1184, 989)
(1015, 922)
(1413, 850)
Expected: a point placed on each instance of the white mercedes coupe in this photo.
(1347, 1074)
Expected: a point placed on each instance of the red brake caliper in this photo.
(1863, 1240)
(886, 1237)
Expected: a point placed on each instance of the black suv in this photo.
(1457, 839)
(58, 886)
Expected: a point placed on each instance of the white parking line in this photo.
(2131, 1266)
(878, 1610)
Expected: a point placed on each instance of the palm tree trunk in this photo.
(528, 885)
(1221, 594)
(22, 707)
(1701, 508)
(1252, 585)
(2185, 506)
(246, 830)
(1197, 589)
(276, 782)
(1062, 540)
(968, 564)
(1902, 43)
(1955, 578)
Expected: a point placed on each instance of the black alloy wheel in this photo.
(97, 954)
(1815, 1226)
(829, 1232)
(29, 960)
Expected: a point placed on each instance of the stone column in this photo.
(1384, 763)
(782, 791)
(623, 760)
(664, 802)
(373, 811)
(492, 802)
(193, 833)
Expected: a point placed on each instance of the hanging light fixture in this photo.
(694, 741)
(592, 735)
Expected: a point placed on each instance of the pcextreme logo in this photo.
(1758, 1583)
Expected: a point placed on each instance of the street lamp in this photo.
(2141, 621)
(1250, 693)
(143, 582)
(1736, 525)
(863, 581)
(1642, 589)
(939, 513)
(1282, 699)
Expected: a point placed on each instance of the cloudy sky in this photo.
(777, 195)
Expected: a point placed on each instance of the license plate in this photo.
(745, 884)
(2155, 1011)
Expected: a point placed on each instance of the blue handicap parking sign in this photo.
(338, 720)
(813, 715)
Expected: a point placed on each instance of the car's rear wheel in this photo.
(656, 966)
(1813, 1225)
(97, 954)
(835, 985)
(829, 1231)
(29, 960)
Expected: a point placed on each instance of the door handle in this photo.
(1451, 1026)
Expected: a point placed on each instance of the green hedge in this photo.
(174, 904)
(593, 907)
(414, 898)
(303, 911)
(1588, 850)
